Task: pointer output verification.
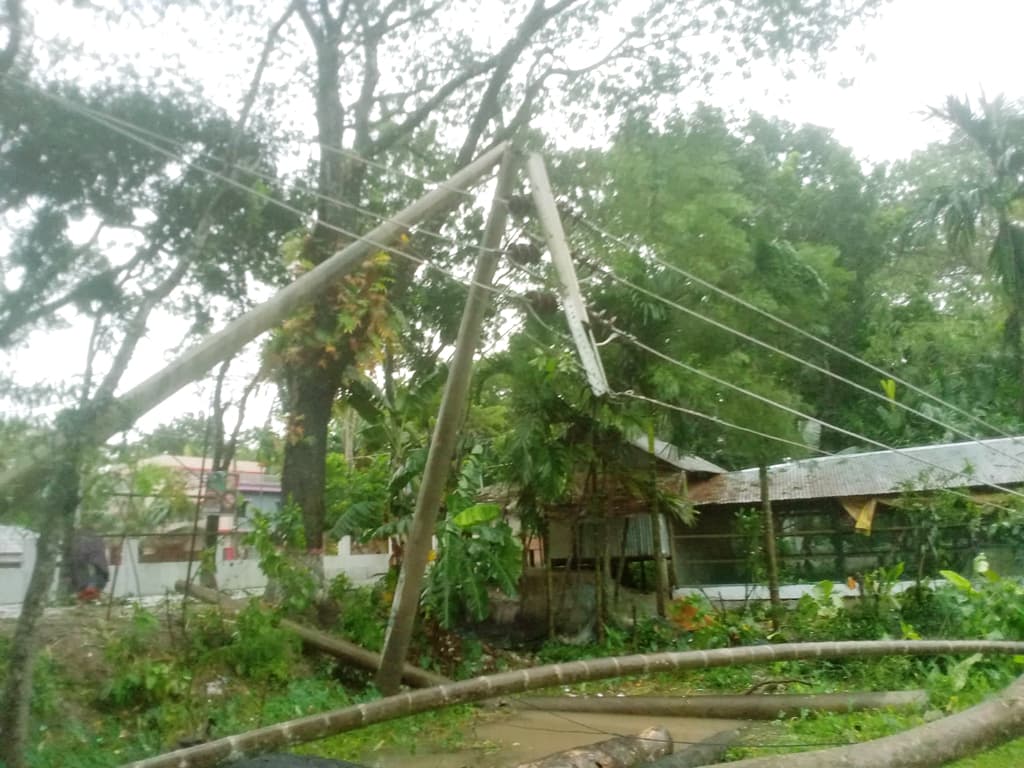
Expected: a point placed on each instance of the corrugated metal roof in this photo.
(672, 455)
(955, 465)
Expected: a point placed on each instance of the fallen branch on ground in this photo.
(334, 646)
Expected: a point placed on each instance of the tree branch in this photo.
(250, 97)
(137, 329)
(535, 20)
(15, 18)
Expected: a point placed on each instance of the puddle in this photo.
(509, 737)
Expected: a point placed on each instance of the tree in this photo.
(989, 203)
(191, 236)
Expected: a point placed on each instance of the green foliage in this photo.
(477, 551)
(260, 650)
(279, 541)
(140, 679)
(358, 497)
(363, 612)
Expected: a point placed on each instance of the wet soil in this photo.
(510, 737)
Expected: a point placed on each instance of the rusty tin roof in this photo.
(954, 465)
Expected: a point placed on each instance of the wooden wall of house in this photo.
(639, 543)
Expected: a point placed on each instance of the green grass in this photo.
(1011, 754)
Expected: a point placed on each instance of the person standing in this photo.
(88, 568)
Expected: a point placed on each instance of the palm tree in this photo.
(994, 201)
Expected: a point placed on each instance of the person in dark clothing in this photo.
(88, 568)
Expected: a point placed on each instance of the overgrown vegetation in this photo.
(159, 684)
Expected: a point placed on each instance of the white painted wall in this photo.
(136, 579)
(14, 578)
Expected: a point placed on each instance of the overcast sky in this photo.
(912, 56)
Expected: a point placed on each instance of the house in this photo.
(247, 481)
(232, 496)
(574, 524)
(612, 510)
(841, 516)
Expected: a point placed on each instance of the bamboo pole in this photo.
(350, 718)
(334, 646)
(442, 444)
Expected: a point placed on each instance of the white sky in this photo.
(915, 54)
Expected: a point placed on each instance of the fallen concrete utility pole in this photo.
(704, 752)
(121, 413)
(620, 752)
(319, 726)
(334, 646)
(766, 706)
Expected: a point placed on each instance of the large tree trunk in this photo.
(305, 455)
(325, 724)
(620, 752)
(15, 704)
(311, 390)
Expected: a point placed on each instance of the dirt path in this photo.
(508, 738)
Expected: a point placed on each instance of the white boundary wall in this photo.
(136, 579)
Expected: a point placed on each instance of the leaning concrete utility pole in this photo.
(442, 445)
(572, 299)
(121, 413)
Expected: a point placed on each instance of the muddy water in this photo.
(507, 738)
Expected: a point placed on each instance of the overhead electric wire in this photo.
(609, 272)
(793, 327)
(263, 175)
(631, 339)
(768, 401)
(100, 118)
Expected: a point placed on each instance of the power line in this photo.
(609, 272)
(101, 119)
(661, 403)
(631, 339)
(717, 420)
(649, 253)
(180, 145)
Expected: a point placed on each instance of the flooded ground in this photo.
(509, 737)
